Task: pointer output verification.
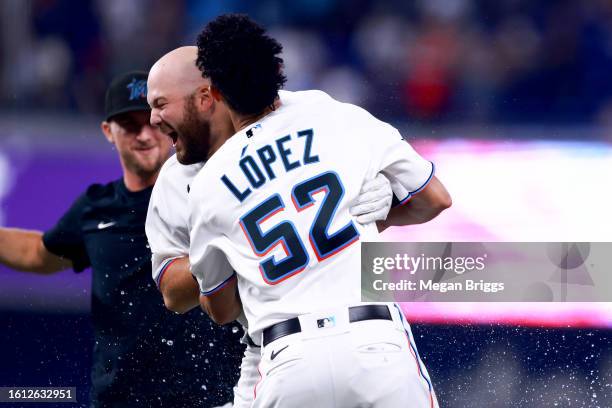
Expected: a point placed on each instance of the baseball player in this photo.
(271, 233)
(173, 79)
(142, 356)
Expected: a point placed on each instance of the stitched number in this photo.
(285, 233)
(324, 245)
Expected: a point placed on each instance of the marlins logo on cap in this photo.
(138, 89)
(127, 93)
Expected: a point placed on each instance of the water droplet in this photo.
(123, 292)
(193, 335)
(170, 342)
(204, 387)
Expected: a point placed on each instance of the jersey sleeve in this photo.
(65, 239)
(211, 269)
(395, 158)
(207, 257)
(166, 229)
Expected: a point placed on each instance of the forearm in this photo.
(408, 214)
(179, 289)
(422, 207)
(24, 250)
(224, 306)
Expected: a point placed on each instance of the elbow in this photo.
(444, 202)
(435, 198)
(222, 306)
(174, 301)
(39, 261)
(174, 306)
(219, 315)
(221, 318)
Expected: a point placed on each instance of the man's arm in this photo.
(167, 231)
(421, 207)
(224, 305)
(24, 250)
(180, 291)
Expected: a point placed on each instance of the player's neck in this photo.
(136, 182)
(242, 121)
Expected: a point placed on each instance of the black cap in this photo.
(127, 93)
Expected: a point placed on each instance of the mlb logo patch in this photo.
(253, 130)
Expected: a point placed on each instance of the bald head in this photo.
(184, 108)
(176, 73)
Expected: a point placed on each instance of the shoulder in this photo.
(170, 167)
(173, 187)
(207, 181)
(309, 99)
(94, 196)
(324, 102)
(310, 95)
(174, 178)
(326, 109)
(173, 171)
(97, 192)
(358, 119)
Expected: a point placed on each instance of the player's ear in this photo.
(106, 129)
(204, 98)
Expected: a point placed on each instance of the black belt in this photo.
(356, 314)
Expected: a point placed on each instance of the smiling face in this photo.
(179, 118)
(142, 148)
(184, 108)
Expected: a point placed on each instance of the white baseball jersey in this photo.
(168, 234)
(168, 215)
(272, 205)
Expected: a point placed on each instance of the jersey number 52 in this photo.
(285, 233)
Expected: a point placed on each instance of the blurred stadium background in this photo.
(512, 99)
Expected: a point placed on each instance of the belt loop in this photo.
(250, 341)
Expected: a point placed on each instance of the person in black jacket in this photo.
(144, 355)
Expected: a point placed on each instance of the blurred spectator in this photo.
(429, 84)
(304, 57)
(442, 60)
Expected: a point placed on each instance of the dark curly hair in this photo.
(242, 62)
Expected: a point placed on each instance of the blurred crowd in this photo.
(468, 61)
